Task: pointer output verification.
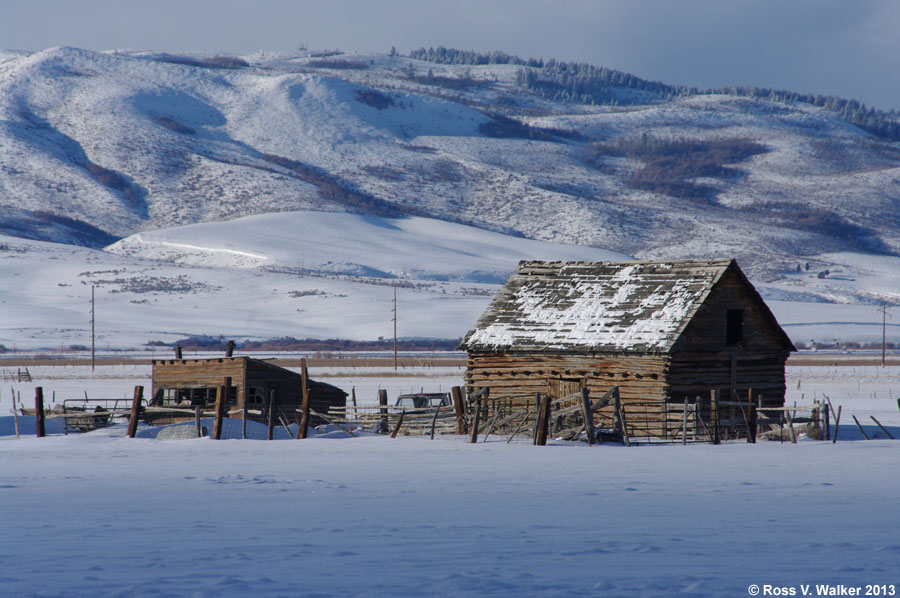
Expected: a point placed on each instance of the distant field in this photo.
(288, 362)
(438, 360)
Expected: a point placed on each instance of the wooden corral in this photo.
(192, 383)
(667, 334)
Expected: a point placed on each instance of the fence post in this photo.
(270, 416)
(543, 430)
(476, 419)
(791, 432)
(135, 411)
(399, 423)
(197, 425)
(837, 423)
(684, 423)
(588, 415)
(751, 417)
(456, 393)
(434, 420)
(221, 402)
(39, 411)
(883, 429)
(303, 432)
(382, 400)
(15, 413)
(714, 415)
(620, 425)
(244, 418)
(752, 423)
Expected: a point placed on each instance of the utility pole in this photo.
(395, 329)
(92, 328)
(884, 316)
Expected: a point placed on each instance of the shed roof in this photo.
(635, 307)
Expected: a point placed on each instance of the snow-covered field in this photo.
(249, 279)
(102, 515)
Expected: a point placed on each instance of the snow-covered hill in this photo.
(259, 277)
(124, 142)
(322, 243)
(244, 180)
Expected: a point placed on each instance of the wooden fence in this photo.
(574, 417)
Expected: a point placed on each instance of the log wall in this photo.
(642, 381)
(245, 373)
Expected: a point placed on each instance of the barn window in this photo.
(256, 395)
(734, 326)
(197, 396)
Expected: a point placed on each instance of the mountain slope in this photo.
(103, 145)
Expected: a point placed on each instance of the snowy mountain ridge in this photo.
(124, 142)
(263, 183)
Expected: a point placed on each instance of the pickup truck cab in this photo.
(424, 400)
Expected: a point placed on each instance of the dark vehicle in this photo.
(424, 400)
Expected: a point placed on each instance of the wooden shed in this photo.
(664, 332)
(191, 383)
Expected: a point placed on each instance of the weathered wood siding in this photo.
(702, 359)
(182, 373)
(642, 380)
(247, 373)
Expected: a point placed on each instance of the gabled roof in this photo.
(595, 307)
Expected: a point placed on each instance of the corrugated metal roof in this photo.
(638, 307)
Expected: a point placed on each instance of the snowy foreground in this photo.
(102, 515)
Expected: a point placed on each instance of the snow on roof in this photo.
(595, 306)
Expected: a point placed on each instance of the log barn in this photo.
(665, 332)
(189, 383)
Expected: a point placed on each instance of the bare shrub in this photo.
(338, 64)
(670, 163)
(506, 127)
(174, 125)
(374, 98)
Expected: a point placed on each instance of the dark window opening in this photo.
(201, 396)
(256, 395)
(734, 326)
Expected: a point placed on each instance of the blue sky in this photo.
(843, 47)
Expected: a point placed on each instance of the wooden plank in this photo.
(837, 423)
(883, 429)
(399, 423)
(437, 412)
(791, 431)
(861, 431)
(332, 422)
(518, 427)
